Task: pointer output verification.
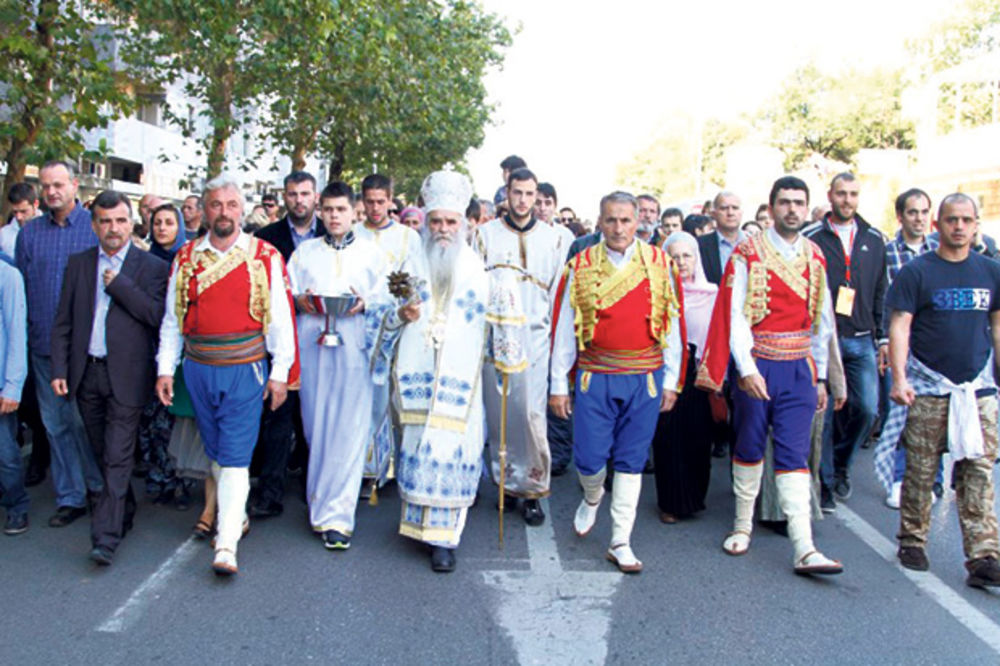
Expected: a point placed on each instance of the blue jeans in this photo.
(13, 495)
(853, 424)
(74, 468)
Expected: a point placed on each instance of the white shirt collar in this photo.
(118, 256)
(242, 242)
(618, 257)
(781, 245)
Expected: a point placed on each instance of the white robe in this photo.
(336, 393)
(438, 398)
(537, 257)
(403, 250)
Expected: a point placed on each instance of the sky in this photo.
(586, 84)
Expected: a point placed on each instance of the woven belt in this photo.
(790, 346)
(620, 361)
(225, 349)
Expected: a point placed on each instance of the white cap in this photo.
(446, 190)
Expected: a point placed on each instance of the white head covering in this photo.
(446, 190)
(699, 294)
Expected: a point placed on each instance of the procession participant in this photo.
(337, 385)
(401, 246)
(438, 396)
(13, 371)
(534, 255)
(946, 393)
(773, 315)
(228, 306)
(619, 322)
(103, 338)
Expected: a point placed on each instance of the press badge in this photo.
(845, 301)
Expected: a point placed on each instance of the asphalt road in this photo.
(547, 597)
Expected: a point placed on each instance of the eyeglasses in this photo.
(567, 220)
(393, 211)
(268, 204)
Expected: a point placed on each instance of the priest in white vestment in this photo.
(520, 248)
(436, 378)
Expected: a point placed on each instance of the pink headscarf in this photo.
(411, 210)
(699, 294)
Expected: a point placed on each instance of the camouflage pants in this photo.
(926, 438)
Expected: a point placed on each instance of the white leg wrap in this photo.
(793, 496)
(624, 500)
(746, 486)
(593, 492)
(234, 487)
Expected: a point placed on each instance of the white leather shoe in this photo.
(586, 516)
(623, 557)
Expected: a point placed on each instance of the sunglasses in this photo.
(269, 205)
(567, 220)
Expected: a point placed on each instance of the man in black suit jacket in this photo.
(271, 455)
(103, 355)
(716, 247)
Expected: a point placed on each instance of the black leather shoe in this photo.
(101, 556)
(33, 476)
(442, 559)
(265, 509)
(913, 557)
(65, 515)
(531, 510)
(16, 524)
(509, 503)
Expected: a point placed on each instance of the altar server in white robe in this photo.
(533, 253)
(402, 248)
(437, 372)
(337, 387)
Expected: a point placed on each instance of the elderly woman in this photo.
(682, 445)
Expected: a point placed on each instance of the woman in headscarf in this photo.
(682, 445)
(412, 217)
(166, 233)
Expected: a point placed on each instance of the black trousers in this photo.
(112, 429)
(270, 458)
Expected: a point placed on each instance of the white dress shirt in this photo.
(280, 337)
(564, 345)
(740, 335)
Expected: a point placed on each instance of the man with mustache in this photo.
(439, 398)
(228, 307)
(103, 340)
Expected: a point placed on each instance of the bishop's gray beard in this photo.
(441, 259)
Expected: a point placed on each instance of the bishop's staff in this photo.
(510, 356)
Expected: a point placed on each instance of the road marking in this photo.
(130, 611)
(554, 616)
(974, 620)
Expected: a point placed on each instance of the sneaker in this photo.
(826, 502)
(15, 524)
(334, 540)
(892, 499)
(913, 557)
(842, 488)
(983, 572)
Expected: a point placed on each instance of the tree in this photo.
(835, 116)
(392, 84)
(219, 51)
(56, 81)
(971, 29)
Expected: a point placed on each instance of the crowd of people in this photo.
(364, 342)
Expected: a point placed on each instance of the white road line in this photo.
(554, 616)
(130, 611)
(974, 620)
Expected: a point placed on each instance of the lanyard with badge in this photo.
(845, 294)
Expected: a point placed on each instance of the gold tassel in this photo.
(373, 498)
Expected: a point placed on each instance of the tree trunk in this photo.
(298, 158)
(337, 160)
(222, 118)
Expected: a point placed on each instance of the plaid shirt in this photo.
(43, 249)
(897, 255)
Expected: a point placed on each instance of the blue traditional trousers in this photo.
(227, 402)
(789, 413)
(614, 418)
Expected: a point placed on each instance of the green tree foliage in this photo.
(395, 85)
(56, 81)
(836, 115)
(971, 29)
